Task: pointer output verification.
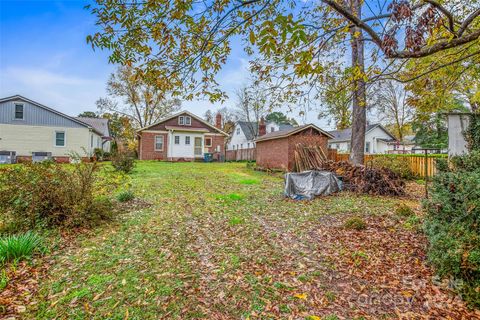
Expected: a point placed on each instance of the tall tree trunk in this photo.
(359, 115)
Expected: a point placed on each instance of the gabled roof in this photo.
(289, 132)
(99, 124)
(250, 129)
(346, 134)
(188, 113)
(19, 97)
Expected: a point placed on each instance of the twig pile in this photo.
(357, 178)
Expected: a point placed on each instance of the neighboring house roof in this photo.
(291, 131)
(19, 97)
(250, 129)
(191, 115)
(346, 134)
(99, 124)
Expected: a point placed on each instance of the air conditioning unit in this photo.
(41, 156)
(8, 157)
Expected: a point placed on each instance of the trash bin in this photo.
(207, 157)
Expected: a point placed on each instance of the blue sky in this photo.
(44, 56)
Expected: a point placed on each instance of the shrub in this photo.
(125, 196)
(123, 161)
(53, 194)
(16, 247)
(355, 223)
(397, 164)
(452, 225)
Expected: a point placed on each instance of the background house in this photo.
(183, 136)
(34, 131)
(275, 150)
(377, 139)
(244, 133)
(458, 122)
(100, 125)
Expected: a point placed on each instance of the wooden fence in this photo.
(416, 163)
(240, 155)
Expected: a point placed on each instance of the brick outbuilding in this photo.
(275, 150)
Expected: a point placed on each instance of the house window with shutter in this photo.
(158, 143)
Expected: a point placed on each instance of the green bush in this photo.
(123, 161)
(16, 247)
(125, 196)
(397, 164)
(452, 225)
(52, 194)
(355, 223)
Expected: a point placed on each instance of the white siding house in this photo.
(28, 127)
(244, 134)
(377, 139)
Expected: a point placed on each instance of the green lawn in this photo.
(219, 241)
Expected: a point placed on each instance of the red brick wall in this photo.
(273, 154)
(216, 141)
(279, 153)
(147, 146)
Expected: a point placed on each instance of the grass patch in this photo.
(355, 223)
(18, 247)
(404, 211)
(125, 196)
(249, 181)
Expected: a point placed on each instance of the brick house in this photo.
(275, 150)
(182, 136)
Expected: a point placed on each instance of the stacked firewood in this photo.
(357, 178)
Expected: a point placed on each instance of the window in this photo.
(184, 120)
(337, 146)
(187, 140)
(177, 139)
(60, 138)
(330, 146)
(208, 142)
(91, 141)
(272, 129)
(367, 147)
(18, 111)
(158, 143)
(248, 145)
(241, 145)
(238, 131)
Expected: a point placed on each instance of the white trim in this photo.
(155, 142)
(64, 139)
(191, 115)
(155, 131)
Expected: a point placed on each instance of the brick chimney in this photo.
(262, 127)
(218, 121)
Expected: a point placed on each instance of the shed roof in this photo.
(291, 131)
